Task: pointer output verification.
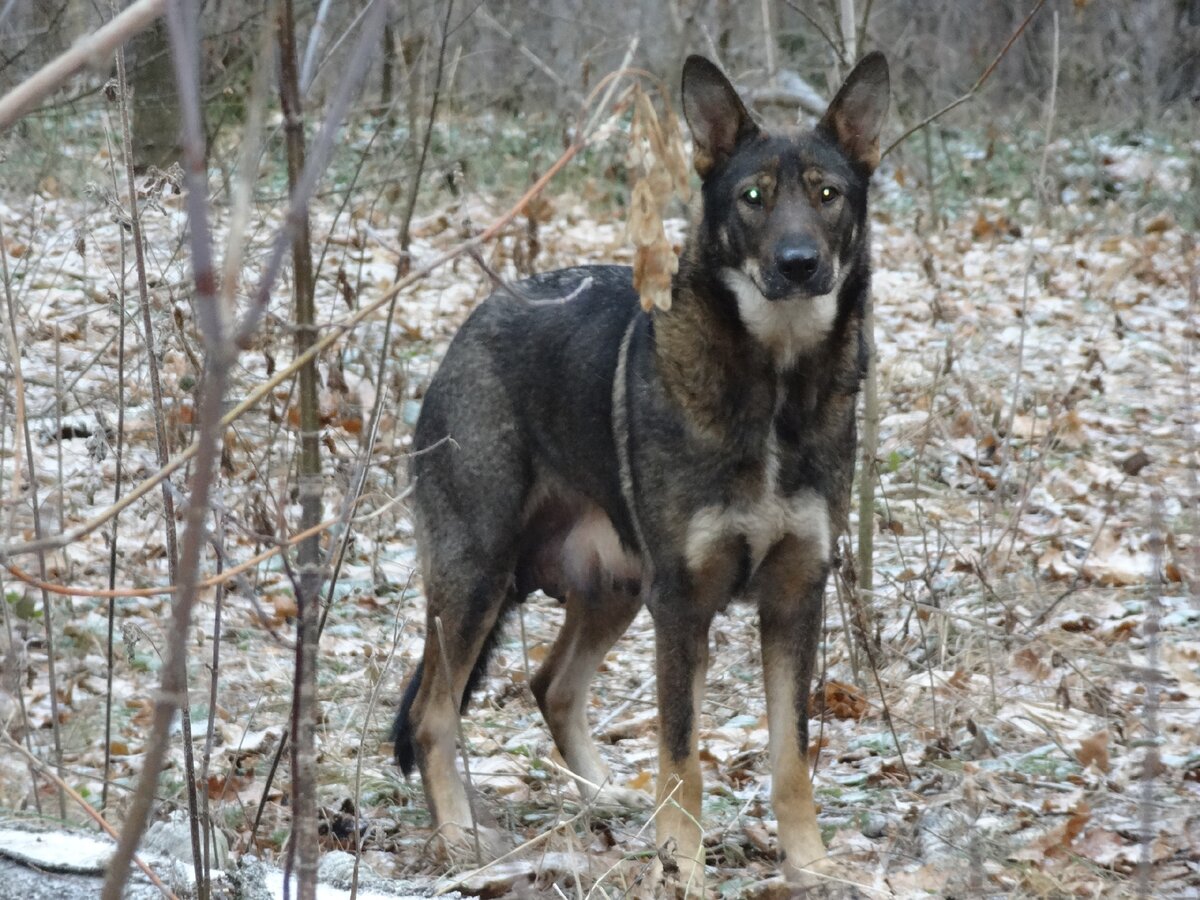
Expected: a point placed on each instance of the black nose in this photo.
(797, 259)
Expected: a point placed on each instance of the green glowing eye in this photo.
(828, 194)
(753, 196)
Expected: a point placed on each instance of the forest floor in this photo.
(1016, 711)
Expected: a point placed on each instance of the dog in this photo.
(614, 458)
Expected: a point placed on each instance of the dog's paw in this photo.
(780, 888)
(458, 845)
(821, 878)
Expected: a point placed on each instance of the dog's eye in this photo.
(753, 196)
(829, 194)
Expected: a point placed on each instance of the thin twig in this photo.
(220, 579)
(184, 34)
(808, 17)
(398, 625)
(7, 610)
(112, 548)
(1039, 191)
(310, 51)
(162, 445)
(974, 88)
(22, 427)
(1152, 683)
(414, 184)
(303, 842)
(317, 161)
(210, 729)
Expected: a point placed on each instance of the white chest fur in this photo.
(787, 328)
(763, 520)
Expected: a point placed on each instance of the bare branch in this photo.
(314, 168)
(100, 45)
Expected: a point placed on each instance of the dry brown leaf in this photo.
(844, 701)
(1132, 465)
(642, 781)
(757, 835)
(1057, 840)
(1030, 664)
(1160, 223)
(653, 267)
(644, 225)
(284, 606)
(1094, 751)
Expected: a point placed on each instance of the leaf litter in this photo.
(1040, 688)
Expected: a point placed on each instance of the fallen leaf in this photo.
(844, 701)
(1132, 465)
(1093, 751)
(1057, 840)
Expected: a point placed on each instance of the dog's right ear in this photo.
(715, 114)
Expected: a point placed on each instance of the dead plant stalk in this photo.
(117, 478)
(22, 427)
(162, 445)
(183, 33)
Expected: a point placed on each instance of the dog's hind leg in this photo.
(592, 626)
(467, 617)
(789, 586)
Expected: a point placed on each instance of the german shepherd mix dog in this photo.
(573, 443)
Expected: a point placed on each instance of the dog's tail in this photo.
(403, 743)
(402, 736)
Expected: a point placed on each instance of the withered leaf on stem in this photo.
(653, 267)
(644, 225)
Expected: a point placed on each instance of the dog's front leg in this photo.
(789, 587)
(681, 643)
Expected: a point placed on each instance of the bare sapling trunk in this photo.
(303, 844)
(221, 353)
(160, 430)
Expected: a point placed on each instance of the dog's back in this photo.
(521, 410)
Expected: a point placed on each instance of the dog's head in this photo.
(784, 215)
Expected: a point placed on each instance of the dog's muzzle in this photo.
(799, 264)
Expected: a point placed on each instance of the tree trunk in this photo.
(155, 102)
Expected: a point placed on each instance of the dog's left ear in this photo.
(855, 117)
(715, 114)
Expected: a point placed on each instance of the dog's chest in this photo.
(762, 513)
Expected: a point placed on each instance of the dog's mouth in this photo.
(777, 288)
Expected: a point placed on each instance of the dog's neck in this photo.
(726, 382)
(723, 380)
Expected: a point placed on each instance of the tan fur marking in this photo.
(561, 685)
(762, 522)
(791, 787)
(679, 801)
